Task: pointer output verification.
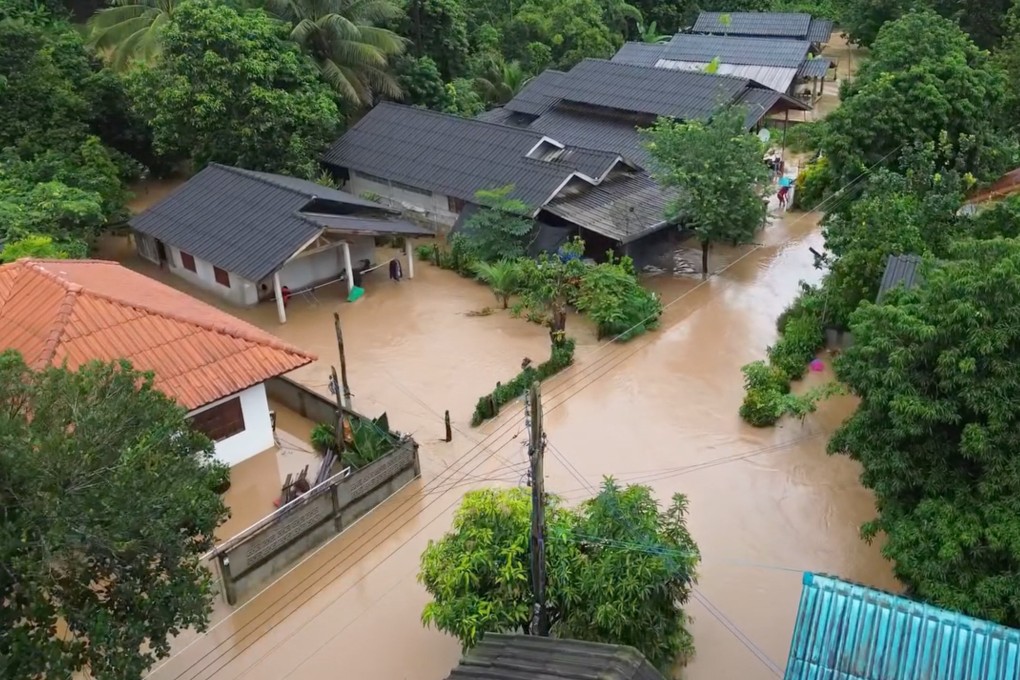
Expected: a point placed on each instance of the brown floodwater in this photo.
(765, 504)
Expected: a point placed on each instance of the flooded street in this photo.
(662, 410)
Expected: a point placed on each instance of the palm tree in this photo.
(129, 30)
(650, 34)
(350, 49)
(502, 82)
(503, 277)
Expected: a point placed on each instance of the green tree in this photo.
(129, 31)
(611, 295)
(438, 30)
(501, 228)
(421, 82)
(650, 34)
(463, 99)
(575, 30)
(936, 429)
(502, 81)
(109, 503)
(618, 552)
(34, 246)
(862, 19)
(502, 276)
(717, 171)
(347, 42)
(229, 88)
(942, 90)
(549, 284)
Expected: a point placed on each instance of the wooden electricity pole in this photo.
(334, 387)
(536, 450)
(343, 361)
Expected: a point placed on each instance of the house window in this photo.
(222, 277)
(411, 188)
(456, 204)
(221, 421)
(188, 262)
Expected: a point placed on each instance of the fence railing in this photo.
(274, 543)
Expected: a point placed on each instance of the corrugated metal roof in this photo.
(815, 68)
(731, 49)
(242, 221)
(529, 657)
(447, 154)
(77, 311)
(582, 128)
(759, 103)
(900, 270)
(624, 208)
(767, 24)
(846, 631)
(662, 92)
(773, 77)
(638, 54)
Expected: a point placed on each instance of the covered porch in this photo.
(342, 251)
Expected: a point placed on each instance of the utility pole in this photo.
(536, 450)
(343, 361)
(334, 387)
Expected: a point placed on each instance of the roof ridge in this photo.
(441, 114)
(620, 64)
(260, 176)
(77, 290)
(72, 291)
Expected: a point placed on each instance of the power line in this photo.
(569, 382)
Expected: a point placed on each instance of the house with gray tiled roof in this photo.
(777, 63)
(247, 236)
(568, 144)
(787, 25)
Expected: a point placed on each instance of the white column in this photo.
(409, 249)
(347, 265)
(281, 311)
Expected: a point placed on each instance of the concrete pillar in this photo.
(409, 249)
(347, 265)
(281, 311)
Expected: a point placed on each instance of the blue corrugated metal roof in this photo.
(846, 631)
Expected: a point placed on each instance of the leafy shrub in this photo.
(765, 386)
(323, 437)
(501, 228)
(367, 441)
(611, 296)
(809, 301)
(489, 405)
(801, 339)
(813, 184)
(803, 137)
(427, 252)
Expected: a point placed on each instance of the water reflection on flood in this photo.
(662, 410)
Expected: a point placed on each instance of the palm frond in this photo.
(384, 40)
(337, 79)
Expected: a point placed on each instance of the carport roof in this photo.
(243, 221)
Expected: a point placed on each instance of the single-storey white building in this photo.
(247, 235)
(214, 365)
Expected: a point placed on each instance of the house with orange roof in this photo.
(70, 312)
(1004, 187)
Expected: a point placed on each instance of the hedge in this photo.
(488, 406)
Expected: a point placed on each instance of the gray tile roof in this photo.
(538, 95)
(731, 49)
(591, 130)
(447, 154)
(900, 270)
(528, 657)
(624, 208)
(659, 92)
(820, 31)
(815, 68)
(367, 226)
(638, 54)
(243, 221)
(768, 24)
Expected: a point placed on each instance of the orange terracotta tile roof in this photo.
(54, 311)
(1006, 185)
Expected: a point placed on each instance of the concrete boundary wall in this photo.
(252, 558)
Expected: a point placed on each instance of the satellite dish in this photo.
(764, 135)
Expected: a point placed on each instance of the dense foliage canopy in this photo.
(620, 570)
(109, 500)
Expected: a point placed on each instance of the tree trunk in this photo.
(506, 301)
(558, 327)
(705, 245)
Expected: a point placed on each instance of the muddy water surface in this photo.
(765, 504)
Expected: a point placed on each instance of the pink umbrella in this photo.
(817, 365)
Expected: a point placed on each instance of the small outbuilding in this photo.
(248, 236)
(900, 270)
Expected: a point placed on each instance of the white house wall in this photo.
(258, 429)
(324, 265)
(241, 292)
(436, 206)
